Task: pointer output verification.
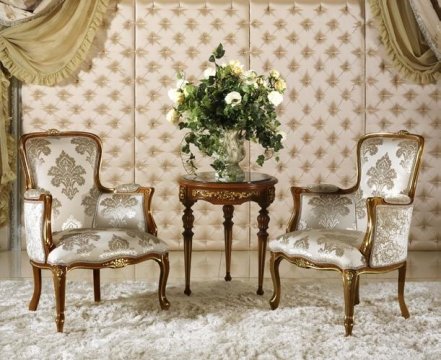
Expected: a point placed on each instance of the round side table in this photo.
(255, 187)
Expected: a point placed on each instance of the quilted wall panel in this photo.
(393, 104)
(176, 36)
(318, 46)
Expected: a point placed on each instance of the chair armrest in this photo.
(322, 206)
(398, 200)
(34, 194)
(127, 188)
(323, 188)
(387, 235)
(128, 206)
(37, 224)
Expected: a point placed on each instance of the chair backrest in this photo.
(65, 164)
(388, 166)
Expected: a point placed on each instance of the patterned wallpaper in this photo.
(339, 87)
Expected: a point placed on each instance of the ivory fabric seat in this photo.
(363, 229)
(339, 247)
(73, 221)
(97, 245)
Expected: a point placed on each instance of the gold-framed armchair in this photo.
(363, 229)
(72, 221)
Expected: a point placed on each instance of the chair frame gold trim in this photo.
(59, 272)
(351, 281)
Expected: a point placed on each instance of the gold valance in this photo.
(404, 41)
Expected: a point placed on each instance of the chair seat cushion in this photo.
(101, 245)
(322, 246)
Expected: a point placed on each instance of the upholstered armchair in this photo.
(359, 230)
(72, 221)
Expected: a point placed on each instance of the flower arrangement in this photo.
(228, 98)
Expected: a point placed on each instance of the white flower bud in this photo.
(209, 72)
(172, 117)
(275, 98)
(233, 98)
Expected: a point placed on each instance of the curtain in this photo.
(14, 12)
(404, 41)
(43, 50)
(428, 17)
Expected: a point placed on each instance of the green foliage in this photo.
(228, 98)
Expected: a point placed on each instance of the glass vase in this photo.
(230, 154)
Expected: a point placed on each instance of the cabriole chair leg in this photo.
(37, 288)
(59, 275)
(275, 276)
(357, 291)
(401, 283)
(349, 284)
(163, 276)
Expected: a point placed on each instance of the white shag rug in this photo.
(221, 321)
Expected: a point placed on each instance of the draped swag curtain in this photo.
(43, 50)
(404, 41)
(428, 16)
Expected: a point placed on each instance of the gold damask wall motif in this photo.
(340, 86)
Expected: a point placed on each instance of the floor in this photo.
(210, 265)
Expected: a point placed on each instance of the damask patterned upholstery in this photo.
(387, 167)
(65, 167)
(327, 211)
(73, 221)
(361, 229)
(338, 247)
(121, 210)
(98, 245)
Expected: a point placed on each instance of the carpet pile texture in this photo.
(221, 321)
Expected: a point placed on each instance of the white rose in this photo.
(275, 98)
(176, 96)
(181, 83)
(275, 74)
(251, 78)
(172, 117)
(250, 74)
(236, 67)
(280, 85)
(209, 72)
(233, 98)
(173, 95)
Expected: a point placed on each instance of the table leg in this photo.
(262, 236)
(187, 219)
(228, 234)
